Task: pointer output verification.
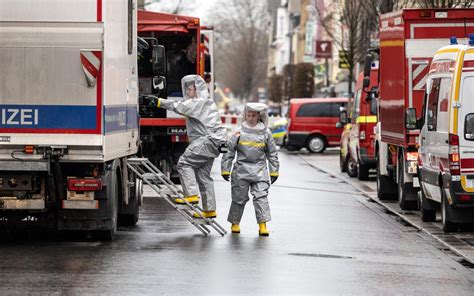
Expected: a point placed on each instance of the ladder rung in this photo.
(151, 176)
(201, 221)
(136, 159)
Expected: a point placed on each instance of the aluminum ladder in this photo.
(169, 191)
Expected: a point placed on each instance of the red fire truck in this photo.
(186, 50)
(358, 155)
(408, 40)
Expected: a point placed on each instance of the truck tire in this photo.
(386, 188)
(407, 195)
(362, 172)
(446, 214)
(351, 167)
(316, 144)
(109, 234)
(133, 208)
(428, 214)
(342, 163)
(132, 219)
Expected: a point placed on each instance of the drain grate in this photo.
(328, 256)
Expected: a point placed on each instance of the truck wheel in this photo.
(426, 205)
(133, 208)
(132, 220)
(362, 172)
(386, 189)
(342, 163)
(316, 144)
(407, 195)
(109, 235)
(448, 226)
(351, 167)
(137, 202)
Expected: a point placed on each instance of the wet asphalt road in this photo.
(325, 238)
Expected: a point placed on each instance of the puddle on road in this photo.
(327, 256)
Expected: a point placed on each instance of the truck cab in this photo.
(446, 143)
(177, 40)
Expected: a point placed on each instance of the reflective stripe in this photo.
(456, 83)
(464, 184)
(447, 50)
(392, 43)
(252, 144)
(366, 119)
(274, 174)
(225, 173)
(279, 135)
(159, 103)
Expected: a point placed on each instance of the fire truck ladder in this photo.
(169, 191)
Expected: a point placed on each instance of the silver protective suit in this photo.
(254, 146)
(205, 133)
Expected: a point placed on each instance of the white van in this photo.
(446, 142)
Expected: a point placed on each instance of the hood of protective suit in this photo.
(199, 84)
(261, 108)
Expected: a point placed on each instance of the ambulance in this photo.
(446, 142)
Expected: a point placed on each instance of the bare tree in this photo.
(374, 8)
(241, 45)
(353, 24)
(349, 28)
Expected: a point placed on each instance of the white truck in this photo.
(69, 114)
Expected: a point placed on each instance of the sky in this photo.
(196, 8)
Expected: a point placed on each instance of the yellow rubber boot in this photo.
(206, 214)
(193, 199)
(262, 231)
(235, 228)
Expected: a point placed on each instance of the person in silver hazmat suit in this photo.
(254, 146)
(206, 134)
